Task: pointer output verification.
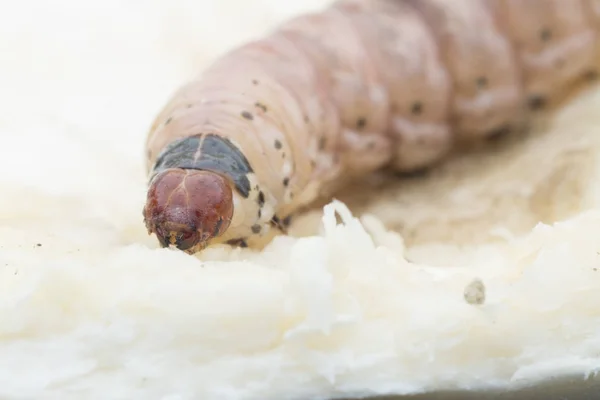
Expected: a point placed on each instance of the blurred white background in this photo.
(81, 76)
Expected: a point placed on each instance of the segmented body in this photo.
(359, 86)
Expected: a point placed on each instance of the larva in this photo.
(362, 85)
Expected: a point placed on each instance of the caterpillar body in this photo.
(362, 85)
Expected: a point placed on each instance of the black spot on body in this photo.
(277, 144)
(537, 102)
(591, 75)
(481, 82)
(254, 82)
(261, 106)
(168, 120)
(259, 214)
(247, 115)
(322, 142)
(545, 34)
(361, 123)
(286, 181)
(498, 133)
(287, 221)
(261, 199)
(256, 228)
(417, 108)
(218, 154)
(417, 173)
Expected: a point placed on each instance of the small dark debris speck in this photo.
(38, 244)
(256, 228)
(254, 82)
(168, 121)
(259, 214)
(247, 115)
(277, 144)
(286, 181)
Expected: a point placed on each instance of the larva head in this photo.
(188, 208)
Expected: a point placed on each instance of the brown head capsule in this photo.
(187, 208)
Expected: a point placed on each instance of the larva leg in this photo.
(555, 43)
(373, 150)
(487, 99)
